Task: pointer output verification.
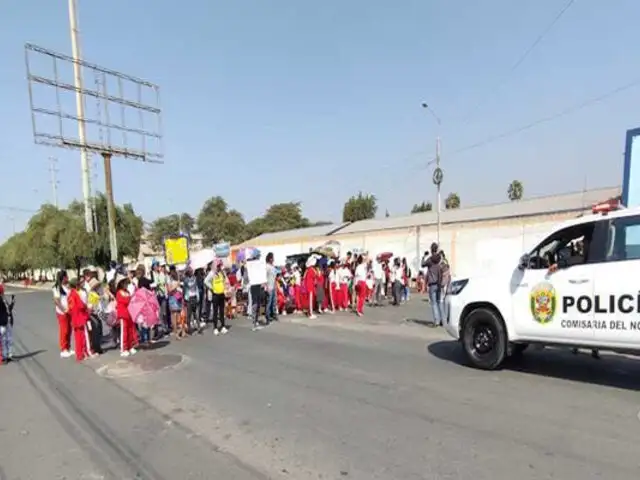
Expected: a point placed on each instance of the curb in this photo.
(30, 287)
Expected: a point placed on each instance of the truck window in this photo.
(624, 239)
(576, 242)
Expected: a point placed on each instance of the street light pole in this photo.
(437, 173)
(438, 180)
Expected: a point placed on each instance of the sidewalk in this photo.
(47, 286)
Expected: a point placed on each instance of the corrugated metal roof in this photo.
(577, 201)
(296, 234)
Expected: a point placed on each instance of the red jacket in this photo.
(122, 305)
(77, 309)
(309, 280)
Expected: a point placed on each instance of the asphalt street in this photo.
(382, 397)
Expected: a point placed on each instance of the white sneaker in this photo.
(284, 313)
(124, 354)
(65, 354)
(216, 331)
(224, 330)
(133, 351)
(312, 317)
(203, 324)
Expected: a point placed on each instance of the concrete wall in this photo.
(469, 245)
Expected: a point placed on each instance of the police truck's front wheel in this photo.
(484, 339)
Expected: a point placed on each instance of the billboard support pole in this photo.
(77, 80)
(111, 210)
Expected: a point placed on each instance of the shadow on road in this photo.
(155, 346)
(24, 356)
(424, 323)
(610, 371)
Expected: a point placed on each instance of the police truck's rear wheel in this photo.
(484, 339)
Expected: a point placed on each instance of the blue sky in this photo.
(274, 101)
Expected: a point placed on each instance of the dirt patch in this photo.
(141, 364)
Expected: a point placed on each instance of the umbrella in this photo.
(222, 250)
(331, 248)
(144, 307)
(247, 253)
(384, 256)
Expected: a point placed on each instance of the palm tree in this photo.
(515, 191)
(452, 201)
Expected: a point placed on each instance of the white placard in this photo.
(257, 272)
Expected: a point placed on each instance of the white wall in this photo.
(469, 246)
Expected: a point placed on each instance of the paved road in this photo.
(380, 399)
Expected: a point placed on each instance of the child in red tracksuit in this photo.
(309, 290)
(281, 300)
(128, 333)
(79, 320)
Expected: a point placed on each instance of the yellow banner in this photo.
(176, 250)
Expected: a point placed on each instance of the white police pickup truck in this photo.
(579, 287)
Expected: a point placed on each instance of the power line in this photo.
(540, 121)
(17, 209)
(521, 58)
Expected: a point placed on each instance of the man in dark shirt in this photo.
(433, 264)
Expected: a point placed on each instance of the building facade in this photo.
(471, 237)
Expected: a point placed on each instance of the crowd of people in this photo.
(188, 300)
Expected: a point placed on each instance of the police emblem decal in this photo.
(543, 302)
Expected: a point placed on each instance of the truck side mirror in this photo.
(525, 259)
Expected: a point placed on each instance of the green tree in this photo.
(278, 217)
(13, 255)
(53, 238)
(129, 228)
(170, 225)
(515, 190)
(422, 207)
(359, 207)
(216, 223)
(452, 201)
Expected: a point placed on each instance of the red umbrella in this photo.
(385, 256)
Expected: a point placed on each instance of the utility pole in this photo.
(437, 173)
(54, 179)
(437, 179)
(111, 209)
(77, 77)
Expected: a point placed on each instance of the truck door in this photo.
(549, 304)
(617, 283)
